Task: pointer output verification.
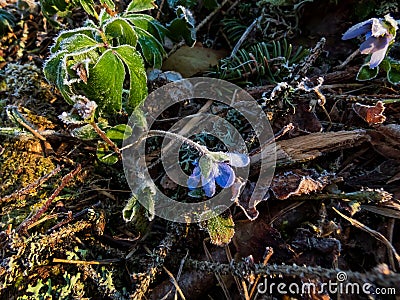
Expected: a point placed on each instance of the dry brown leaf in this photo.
(370, 114)
(296, 183)
(190, 61)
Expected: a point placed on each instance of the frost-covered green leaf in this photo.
(88, 31)
(152, 49)
(51, 8)
(76, 42)
(149, 24)
(393, 75)
(146, 196)
(140, 5)
(206, 164)
(183, 26)
(130, 209)
(366, 73)
(85, 133)
(219, 156)
(88, 6)
(120, 30)
(104, 85)
(137, 75)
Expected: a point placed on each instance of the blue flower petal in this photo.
(226, 176)
(194, 179)
(358, 29)
(208, 186)
(373, 44)
(238, 160)
(377, 28)
(377, 57)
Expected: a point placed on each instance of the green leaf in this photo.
(146, 196)
(119, 132)
(85, 133)
(7, 21)
(105, 153)
(206, 164)
(366, 73)
(88, 6)
(137, 75)
(55, 71)
(104, 16)
(393, 75)
(385, 65)
(149, 24)
(152, 49)
(183, 26)
(130, 209)
(109, 3)
(52, 65)
(121, 31)
(77, 42)
(90, 32)
(219, 156)
(105, 83)
(140, 5)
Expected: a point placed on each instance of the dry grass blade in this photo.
(374, 233)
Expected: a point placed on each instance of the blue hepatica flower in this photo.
(215, 167)
(379, 34)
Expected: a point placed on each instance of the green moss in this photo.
(221, 228)
(22, 163)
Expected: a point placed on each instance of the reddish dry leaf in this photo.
(370, 114)
(296, 183)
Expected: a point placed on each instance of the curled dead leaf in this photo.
(297, 182)
(370, 114)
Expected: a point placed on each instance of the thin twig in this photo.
(158, 256)
(243, 38)
(31, 187)
(218, 276)
(25, 224)
(69, 219)
(374, 233)
(244, 270)
(348, 59)
(105, 138)
(87, 262)
(206, 19)
(268, 253)
(240, 285)
(277, 136)
(175, 283)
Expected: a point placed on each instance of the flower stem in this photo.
(202, 149)
(105, 138)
